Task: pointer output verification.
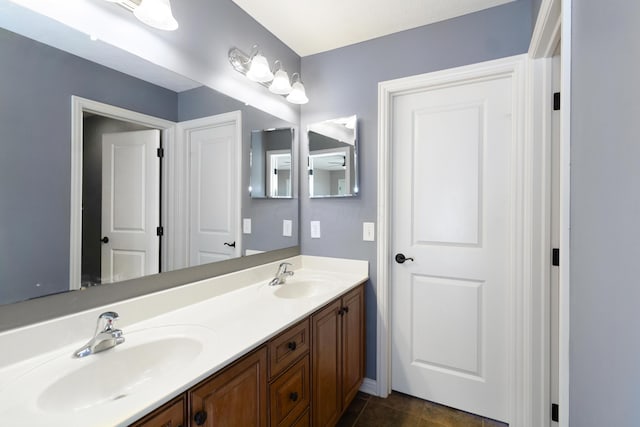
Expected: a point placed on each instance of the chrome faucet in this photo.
(281, 274)
(104, 339)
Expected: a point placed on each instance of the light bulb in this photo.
(157, 14)
(259, 70)
(298, 94)
(281, 84)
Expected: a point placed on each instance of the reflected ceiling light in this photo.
(256, 67)
(157, 14)
(298, 94)
(280, 84)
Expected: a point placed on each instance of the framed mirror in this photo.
(271, 162)
(333, 158)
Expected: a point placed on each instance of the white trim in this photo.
(565, 210)
(546, 33)
(522, 220)
(183, 169)
(369, 386)
(78, 106)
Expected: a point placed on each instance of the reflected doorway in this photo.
(121, 188)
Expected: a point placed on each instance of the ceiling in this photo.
(309, 27)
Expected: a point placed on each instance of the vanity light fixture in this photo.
(256, 67)
(155, 13)
(280, 84)
(298, 95)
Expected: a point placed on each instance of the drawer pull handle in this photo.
(294, 396)
(292, 345)
(200, 417)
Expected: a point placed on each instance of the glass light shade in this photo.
(280, 84)
(298, 94)
(157, 14)
(259, 70)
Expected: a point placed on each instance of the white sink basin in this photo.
(303, 288)
(146, 359)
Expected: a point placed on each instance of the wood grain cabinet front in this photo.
(236, 397)
(287, 347)
(290, 394)
(171, 414)
(337, 356)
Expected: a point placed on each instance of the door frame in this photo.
(168, 179)
(523, 224)
(553, 27)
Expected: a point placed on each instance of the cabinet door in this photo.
(352, 344)
(172, 414)
(287, 347)
(326, 361)
(236, 397)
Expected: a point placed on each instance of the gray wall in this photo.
(353, 73)
(605, 214)
(36, 84)
(535, 8)
(266, 214)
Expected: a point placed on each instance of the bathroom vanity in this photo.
(226, 348)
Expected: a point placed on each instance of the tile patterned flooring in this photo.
(401, 410)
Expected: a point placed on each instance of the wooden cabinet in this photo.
(235, 397)
(337, 360)
(306, 375)
(172, 414)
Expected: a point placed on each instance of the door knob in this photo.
(400, 258)
(231, 245)
(105, 239)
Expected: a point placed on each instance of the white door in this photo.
(450, 213)
(214, 189)
(130, 205)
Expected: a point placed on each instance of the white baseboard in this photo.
(369, 386)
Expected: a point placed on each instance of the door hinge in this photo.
(555, 257)
(311, 172)
(160, 231)
(161, 152)
(556, 101)
(554, 412)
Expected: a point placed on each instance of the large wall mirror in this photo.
(125, 163)
(333, 158)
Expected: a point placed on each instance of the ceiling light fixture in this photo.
(155, 13)
(256, 67)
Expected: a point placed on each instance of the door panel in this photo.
(130, 204)
(451, 194)
(214, 191)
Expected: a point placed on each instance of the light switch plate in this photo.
(246, 225)
(368, 231)
(287, 227)
(315, 229)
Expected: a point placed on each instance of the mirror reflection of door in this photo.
(121, 200)
(279, 170)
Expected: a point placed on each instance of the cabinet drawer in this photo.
(287, 347)
(289, 394)
(172, 414)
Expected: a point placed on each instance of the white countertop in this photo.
(231, 314)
